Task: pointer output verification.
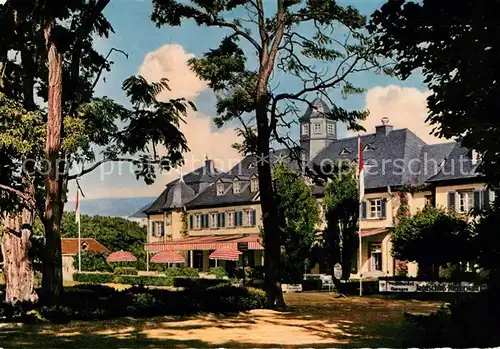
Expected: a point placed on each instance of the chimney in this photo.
(209, 167)
(385, 128)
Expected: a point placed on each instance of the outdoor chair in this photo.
(327, 282)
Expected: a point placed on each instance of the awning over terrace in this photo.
(370, 232)
(210, 242)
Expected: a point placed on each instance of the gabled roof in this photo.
(69, 246)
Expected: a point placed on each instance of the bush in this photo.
(219, 272)
(145, 280)
(198, 283)
(94, 278)
(125, 271)
(93, 261)
(227, 298)
(182, 272)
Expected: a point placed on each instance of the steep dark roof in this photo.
(210, 198)
(141, 212)
(318, 108)
(458, 165)
(179, 193)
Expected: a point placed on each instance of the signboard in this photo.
(291, 287)
(242, 246)
(337, 271)
(428, 286)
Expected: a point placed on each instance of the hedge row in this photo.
(96, 302)
(187, 282)
(125, 271)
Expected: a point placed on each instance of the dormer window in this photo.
(317, 127)
(474, 157)
(367, 147)
(251, 165)
(331, 129)
(345, 152)
(236, 186)
(254, 184)
(305, 129)
(220, 189)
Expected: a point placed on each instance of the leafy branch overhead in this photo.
(337, 48)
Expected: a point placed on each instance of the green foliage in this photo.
(93, 261)
(433, 238)
(219, 272)
(194, 283)
(341, 206)
(457, 55)
(145, 280)
(94, 278)
(298, 213)
(182, 272)
(119, 271)
(97, 302)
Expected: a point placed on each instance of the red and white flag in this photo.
(360, 172)
(77, 208)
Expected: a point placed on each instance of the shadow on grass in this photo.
(313, 320)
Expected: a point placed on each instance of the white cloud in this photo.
(170, 61)
(406, 107)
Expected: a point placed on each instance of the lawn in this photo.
(314, 319)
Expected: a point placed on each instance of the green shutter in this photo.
(383, 208)
(254, 217)
(219, 220)
(451, 200)
(476, 203)
(363, 209)
(239, 218)
(223, 219)
(191, 221)
(486, 199)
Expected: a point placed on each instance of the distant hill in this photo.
(113, 207)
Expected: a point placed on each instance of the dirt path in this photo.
(314, 319)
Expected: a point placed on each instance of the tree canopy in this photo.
(341, 206)
(298, 214)
(455, 47)
(432, 238)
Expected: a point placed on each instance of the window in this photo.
(254, 184)
(221, 220)
(345, 152)
(204, 220)
(249, 218)
(197, 221)
(331, 129)
(367, 147)
(376, 208)
(238, 218)
(465, 201)
(230, 219)
(220, 189)
(428, 200)
(213, 220)
(157, 229)
(251, 165)
(317, 128)
(236, 186)
(376, 257)
(305, 129)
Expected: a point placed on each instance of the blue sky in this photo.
(138, 36)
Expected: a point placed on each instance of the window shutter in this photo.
(218, 220)
(486, 199)
(240, 218)
(152, 228)
(451, 200)
(206, 220)
(254, 217)
(191, 221)
(383, 207)
(476, 200)
(363, 209)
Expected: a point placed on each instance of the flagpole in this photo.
(77, 213)
(360, 248)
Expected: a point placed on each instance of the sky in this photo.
(156, 53)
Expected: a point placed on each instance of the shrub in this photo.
(198, 283)
(182, 272)
(228, 298)
(145, 280)
(219, 272)
(93, 261)
(125, 271)
(94, 278)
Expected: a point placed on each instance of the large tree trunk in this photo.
(18, 270)
(52, 264)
